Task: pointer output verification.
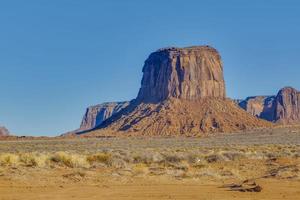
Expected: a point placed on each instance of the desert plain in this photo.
(258, 164)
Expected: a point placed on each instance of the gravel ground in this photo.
(280, 136)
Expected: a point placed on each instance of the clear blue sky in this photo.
(59, 56)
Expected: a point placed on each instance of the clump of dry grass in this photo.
(140, 168)
(70, 160)
(9, 159)
(33, 159)
(103, 158)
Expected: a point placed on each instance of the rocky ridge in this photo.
(95, 115)
(3, 131)
(260, 106)
(287, 106)
(282, 108)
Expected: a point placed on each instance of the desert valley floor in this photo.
(261, 164)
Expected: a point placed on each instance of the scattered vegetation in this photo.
(239, 162)
(239, 157)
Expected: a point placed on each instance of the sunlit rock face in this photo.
(182, 93)
(287, 108)
(95, 115)
(185, 73)
(282, 108)
(260, 106)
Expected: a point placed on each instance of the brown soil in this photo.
(143, 189)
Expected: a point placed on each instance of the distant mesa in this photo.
(3, 131)
(260, 106)
(287, 106)
(182, 93)
(282, 108)
(95, 115)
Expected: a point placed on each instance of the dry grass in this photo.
(103, 158)
(175, 158)
(214, 163)
(70, 160)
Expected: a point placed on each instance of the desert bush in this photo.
(70, 160)
(118, 163)
(172, 158)
(9, 159)
(33, 159)
(192, 159)
(104, 158)
(29, 160)
(140, 168)
(232, 156)
(214, 158)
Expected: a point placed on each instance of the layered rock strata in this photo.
(182, 93)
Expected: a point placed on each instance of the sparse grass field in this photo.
(240, 163)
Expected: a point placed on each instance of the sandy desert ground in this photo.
(263, 164)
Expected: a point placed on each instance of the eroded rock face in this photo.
(4, 131)
(185, 73)
(95, 115)
(260, 106)
(282, 108)
(287, 107)
(182, 93)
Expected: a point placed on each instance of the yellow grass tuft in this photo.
(9, 159)
(70, 160)
(104, 158)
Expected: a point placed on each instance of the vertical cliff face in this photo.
(184, 73)
(95, 115)
(260, 106)
(182, 92)
(3, 131)
(282, 108)
(287, 107)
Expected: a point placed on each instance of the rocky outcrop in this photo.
(287, 106)
(3, 131)
(95, 115)
(260, 106)
(182, 93)
(185, 73)
(282, 108)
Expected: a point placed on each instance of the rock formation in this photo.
(260, 106)
(95, 115)
(3, 131)
(183, 73)
(287, 106)
(182, 92)
(282, 108)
